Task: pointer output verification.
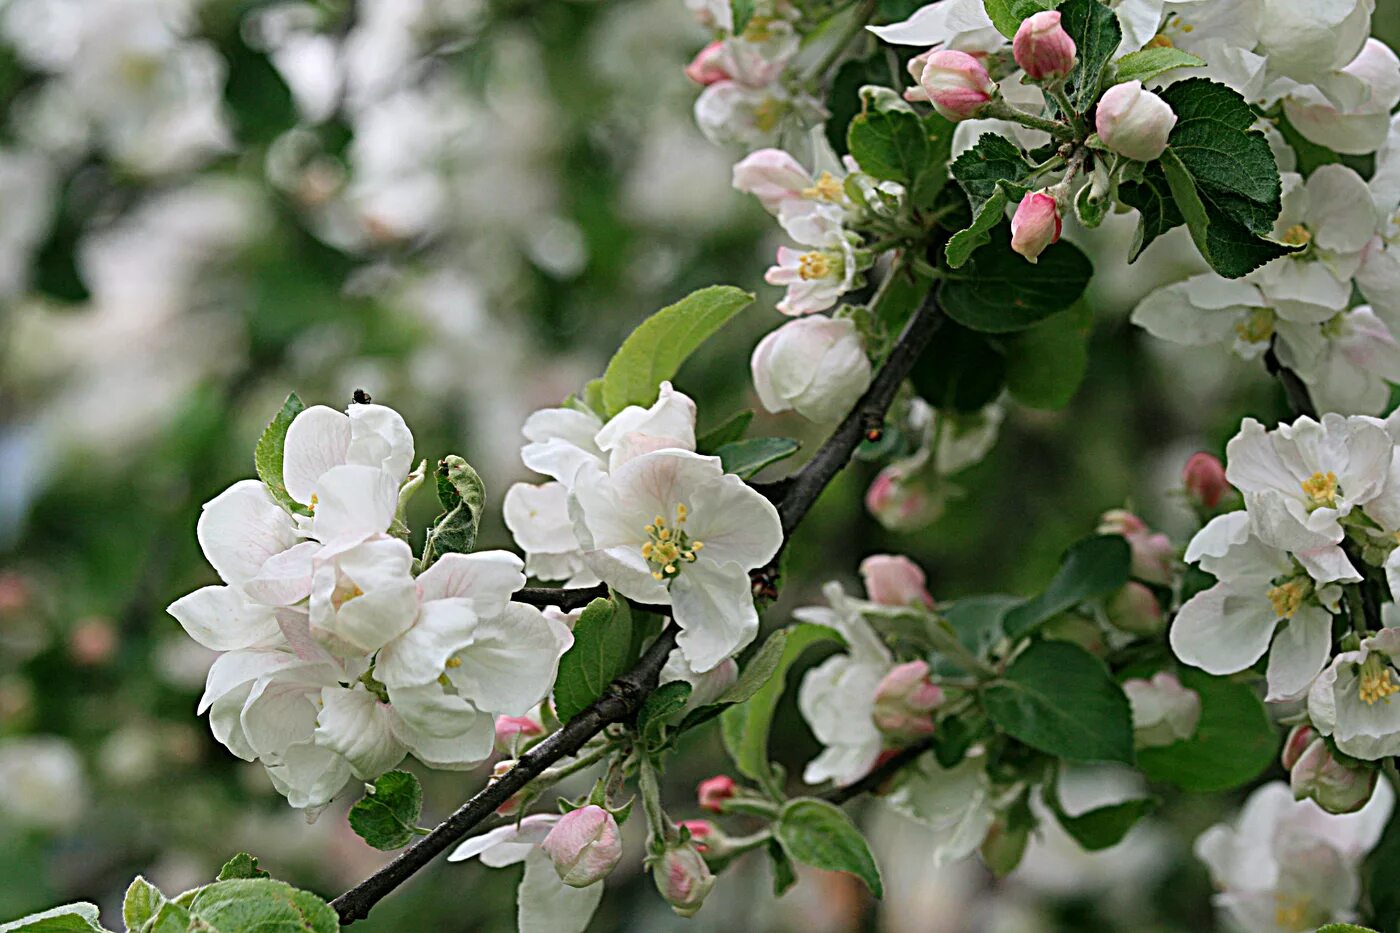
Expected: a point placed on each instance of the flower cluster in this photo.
(632, 504)
(340, 651)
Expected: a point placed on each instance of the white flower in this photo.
(731, 113)
(955, 803)
(962, 25)
(1349, 110)
(1299, 480)
(442, 730)
(1379, 274)
(1351, 699)
(546, 903)
(1164, 712)
(1228, 627)
(253, 544)
(775, 177)
(1348, 363)
(837, 697)
(817, 277)
(705, 686)
(1309, 40)
(363, 596)
(671, 527)
(1287, 865)
(815, 366)
(1332, 214)
(538, 519)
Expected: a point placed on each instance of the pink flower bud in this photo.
(512, 732)
(904, 701)
(916, 71)
(1204, 478)
(1134, 122)
(1035, 225)
(708, 65)
(956, 83)
(1043, 48)
(898, 503)
(894, 580)
(584, 845)
(773, 176)
(1154, 555)
(93, 642)
(699, 830)
(683, 878)
(1299, 738)
(713, 792)
(1332, 785)
(1135, 609)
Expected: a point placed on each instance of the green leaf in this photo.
(242, 865)
(70, 918)
(175, 917)
(745, 458)
(818, 833)
(1046, 362)
(142, 901)
(978, 620)
(1097, 35)
(602, 652)
(843, 101)
(745, 727)
(981, 170)
(1006, 15)
(1381, 873)
(999, 291)
(463, 497)
(1060, 699)
(730, 430)
(1091, 568)
(262, 905)
(961, 370)
(1344, 928)
(657, 348)
(742, 11)
(1103, 826)
(900, 146)
(1233, 744)
(1146, 64)
(267, 455)
(759, 670)
(784, 873)
(667, 700)
(388, 813)
(962, 244)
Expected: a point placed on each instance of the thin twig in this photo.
(625, 695)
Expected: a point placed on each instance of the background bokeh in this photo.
(460, 206)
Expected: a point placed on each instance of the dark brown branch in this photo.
(625, 695)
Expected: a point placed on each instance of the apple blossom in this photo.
(775, 177)
(1134, 609)
(682, 877)
(708, 65)
(1204, 480)
(1164, 712)
(1035, 225)
(705, 686)
(513, 732)
(956, 804)
(1294, 744)
(585, 846)
(953, 24)
(1348, 110)
(957, 84)
(899, 502)
(894, 580)
(1134, 122)
(1153, 552)
(1229, 626)
(815, 366)
(700, 830)
(904, 701)
(1350, 700)
(818, 276)
(670, 527)
(1309, 40)
(1042, 47)
(1335, 787)
(1285, 864)
(713, 792)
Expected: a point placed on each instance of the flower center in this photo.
(1291, 911)
(767, 114)
(345, 590)
(1159, 41)
(1286, 598)
(814, 265)
(669, 546)
(826, 188)
(1321, 490)
(1297, 235)
(1375, 682)
(1257, 327)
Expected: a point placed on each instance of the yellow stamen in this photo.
(826, 188)
(767, 114)
(813, 265)
(1159, 41)
(1297, 235)
(1291, 911)
(1258, 327)
(1287, 597)
(1375, 683)
(312, 506)
(454, 661)
(1321, 490)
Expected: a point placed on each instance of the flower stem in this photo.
(999, 109)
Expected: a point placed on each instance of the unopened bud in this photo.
(894, 580)
(1003, 847)
(707, 66)
(512, 732)
(784, 362)
(773, 176)
(905, 700)
(93, 642)
(1299, 738)
(1042, 47)
(899, 503)
(1135, 609)
(713, 792)
(699, 830)
(1204, 478)
(1153, 552)
(585, 846)
(1035, 225)
(683, 878)
(1164, 712)
(1333, 786)
(1134, 122)
(956, 84)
